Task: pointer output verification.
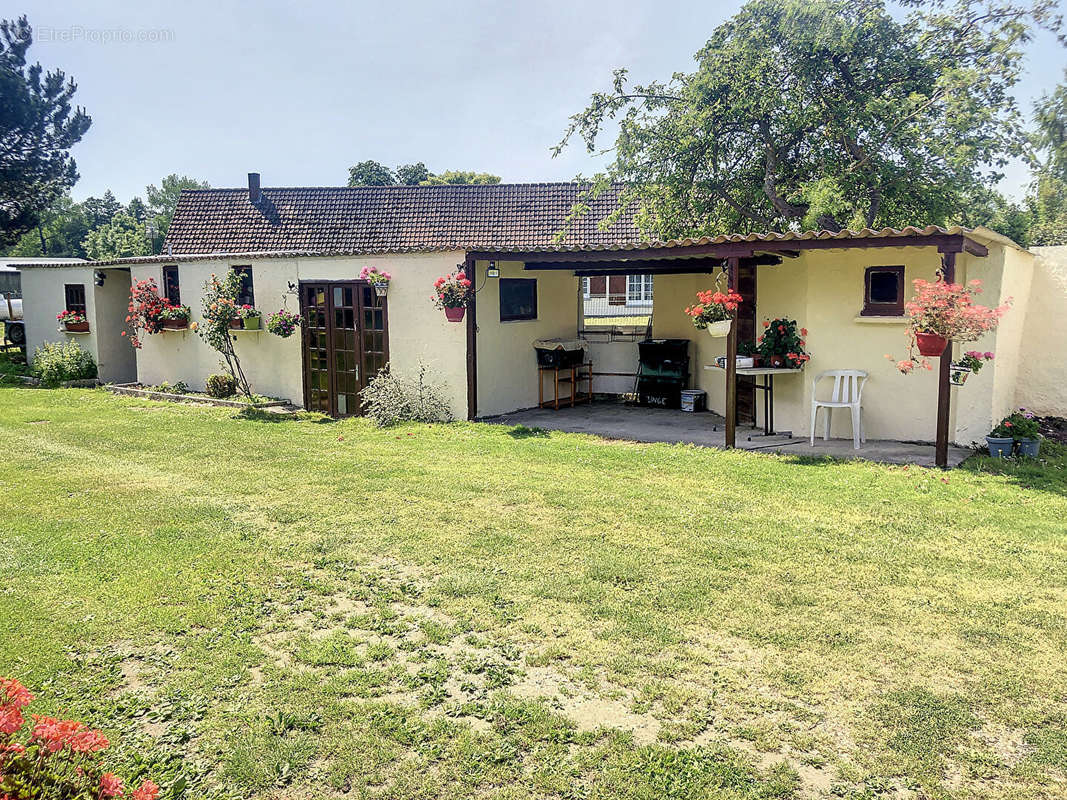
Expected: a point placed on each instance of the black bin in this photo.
(559, 357)
(662, 352)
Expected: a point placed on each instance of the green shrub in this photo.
(389, 399)
(56, 362)
(221, 386)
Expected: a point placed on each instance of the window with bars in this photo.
(74, 295)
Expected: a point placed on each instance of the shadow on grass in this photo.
(522, 432)
(263, 415)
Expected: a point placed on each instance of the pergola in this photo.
(728, 253)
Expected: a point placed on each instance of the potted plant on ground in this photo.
(250, 317)
(175, 318)
(283, 323)
(1019, 427)
(379, 280)
(714, 312)
(452, 293)
(73, 321)
(971, 362)
(781, 345)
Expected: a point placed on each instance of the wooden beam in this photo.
(635, 267)
(944, 391)
(732, 266)
(472, 343)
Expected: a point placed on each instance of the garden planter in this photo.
(959, 374)
(930, 344)
(251, 323)
(455, 314)
(236, 324)
(381, 289)
(175, 324)
(777, 362)
(717, 330)
(76, 327)
(999, 448)
(1029, 447)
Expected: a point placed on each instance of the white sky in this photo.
(299, 92)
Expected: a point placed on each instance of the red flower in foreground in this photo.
(147, 791)
(17, 694)
(110, 785)
(10, 719)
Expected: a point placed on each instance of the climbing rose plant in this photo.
(220, 309)
(57, 759)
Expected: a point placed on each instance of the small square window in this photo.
(883, 292)
(247, 295)
(170, 285)
(518, 299)
(74, 296)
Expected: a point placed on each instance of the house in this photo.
(303, 248)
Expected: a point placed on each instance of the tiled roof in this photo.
(390, 219)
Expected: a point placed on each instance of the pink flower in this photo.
(10, 719)
(110, 785)
(146, 791)
(987, 356)
(16, 694)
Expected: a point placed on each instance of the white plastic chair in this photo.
(847, 393)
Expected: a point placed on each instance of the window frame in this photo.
(82, 307)
(500, 300)
(893, 309)
(644, 293)
(176, 300)
(246, 270)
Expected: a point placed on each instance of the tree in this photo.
(100, 210)
(455, 176)
(370, 173)
(821, 113)
(38, 128)
(163, 200)
(412, 174)
(122, 237)
(1047, 199)
(60, 231)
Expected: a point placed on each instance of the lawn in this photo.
(267, 607)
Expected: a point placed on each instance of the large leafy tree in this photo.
(38, 127)
(1048, 193)
(124, 236)
(821, 113)
(162, 201)
(371, 173)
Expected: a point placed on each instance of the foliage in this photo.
(1021, 424)
(181, 387)
(69, 317)
(781, 337)
(162, 202)
(122, 237)
(452, 290)
(53, 759)
(974, 360)
(412, 174)
(1047, 199)
(172, 312)
(221, 386)
(459, 177)
(248, 312)
(821, 113)
(38, 127)
(948, 310)
(283, 323)
(220, 309)
(371, 275)
(143, 313)
(390, 398)
(372, 173)
(713, 307)
(57, 362)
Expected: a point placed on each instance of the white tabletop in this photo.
(759, 370)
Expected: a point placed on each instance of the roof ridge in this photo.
(396, 186)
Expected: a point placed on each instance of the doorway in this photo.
(345, 343)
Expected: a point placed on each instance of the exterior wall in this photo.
(1042, 374)
(418, 333)
(507, 364)
(115, 357)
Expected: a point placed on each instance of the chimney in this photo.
(254, 193)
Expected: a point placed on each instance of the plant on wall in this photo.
(452, 293)
(283, 323)
(143, 312)
(220, 309)
(782, 344)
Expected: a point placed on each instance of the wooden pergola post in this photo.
(732, 264)
(944, 392)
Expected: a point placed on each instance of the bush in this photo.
(56, 362)
(221, 386)
(389, 399)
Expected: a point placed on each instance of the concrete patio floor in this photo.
(614, 420)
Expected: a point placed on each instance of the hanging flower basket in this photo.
(959, 374)
(379, 280)
(930, 344)
(717, 330)
(381, 289)
(455, 314)
(452, 293)
(714, 312)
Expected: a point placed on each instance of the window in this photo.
(638, 290)
(518, 299)
(170, 286)
(75, 297)
(585, 288)
(246, 296)
(883, 292)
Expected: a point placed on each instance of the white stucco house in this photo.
(303, 249)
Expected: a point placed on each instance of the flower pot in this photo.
(381, 289)
(175, 324)
(777, 362)
(959, 374)
(717, 330)
(930, 344)
(998, 447)
(236, 323)
(455, 314)
(251, 323)
(76, 327)
(1029, 447)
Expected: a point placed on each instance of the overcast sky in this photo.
(299, 92)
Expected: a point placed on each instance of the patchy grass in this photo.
(263, 606)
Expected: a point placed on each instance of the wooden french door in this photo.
(346, 342)
(746, 332)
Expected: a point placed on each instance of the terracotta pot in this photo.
(76, 327)
(175, 324)
(930, 344)
(777, 362)
(718, 330)
(455, 314)
(236, 323)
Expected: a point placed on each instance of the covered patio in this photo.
(621, 422)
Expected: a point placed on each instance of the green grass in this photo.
(256, 606)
